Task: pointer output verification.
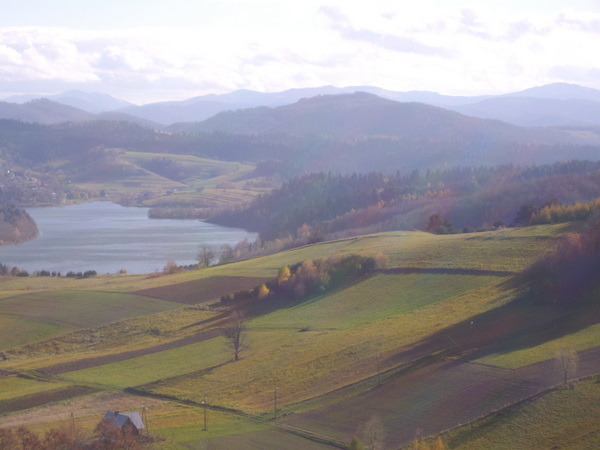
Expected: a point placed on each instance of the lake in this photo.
(107, 237)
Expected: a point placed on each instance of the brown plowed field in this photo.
(437, 398)
(200, 291)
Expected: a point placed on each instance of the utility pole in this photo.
(204, 405)
(145, 419)
(275, 402)
(72, 424)
(378, 371)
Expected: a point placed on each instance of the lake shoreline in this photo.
(110, 238)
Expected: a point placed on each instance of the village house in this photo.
(125, 421)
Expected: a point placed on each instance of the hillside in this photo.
(532, 112)
(373, 345)
(325, 205)
(544, 104)
(92, 102)
(45, 111)
(359, 114)
(16, 226)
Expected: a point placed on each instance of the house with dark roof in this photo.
(125, 421)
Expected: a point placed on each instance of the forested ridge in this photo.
(471, 198)
(16, 225)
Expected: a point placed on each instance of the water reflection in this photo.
(107, 237)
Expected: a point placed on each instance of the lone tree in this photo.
(566, 361)
(206, 255)
(439, 225)
(373, 434)
(236, 332)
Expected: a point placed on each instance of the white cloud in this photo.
(456, 47)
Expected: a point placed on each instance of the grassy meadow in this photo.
(134, 331)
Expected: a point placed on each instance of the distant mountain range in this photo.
(42, 110)
(92, 102)
(363, 114)
(558, 104)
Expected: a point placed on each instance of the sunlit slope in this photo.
(176, 180)
(33, 317)
(457, 277)
(510, 249)
(316, 352)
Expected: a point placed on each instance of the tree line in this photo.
(469, 198)
(570, 276)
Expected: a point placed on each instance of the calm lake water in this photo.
(107, 237)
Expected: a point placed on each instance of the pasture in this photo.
(394, 343)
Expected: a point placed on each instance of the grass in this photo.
(503, 250)
(153, 367)
(581, 340)
(377, 297)
(177, 426)
(18, 331)
(81, 309)
(14, 386)
(333, 352)
(199, 187)
(183, 426)
(562, 418)
(308, 350)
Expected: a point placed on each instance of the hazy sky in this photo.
(152, 50)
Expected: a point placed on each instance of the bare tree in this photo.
(236, 332)
(566, 361)
(373, 434)
(226, 254)
(206, 255)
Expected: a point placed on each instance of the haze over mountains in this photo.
(549, 105)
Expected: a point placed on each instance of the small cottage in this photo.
(125, 421)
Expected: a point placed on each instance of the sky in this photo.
(145, 51)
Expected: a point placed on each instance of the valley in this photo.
(413, 275)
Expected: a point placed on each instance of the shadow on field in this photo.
(514, 326)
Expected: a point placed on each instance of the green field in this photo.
(18, 331)
(395, 326)
(198, 182)
(587, 338)
(145, 369)
(81, 309)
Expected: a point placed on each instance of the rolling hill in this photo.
(541, 103)
(46, 111)
(92, 102)
(536, 112)
(359, 114)
(403, 343)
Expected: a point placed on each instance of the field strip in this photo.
(306, 434)
(44, 398)
(436, 399)
(449, 271)
(86, 363)
(321, 438)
